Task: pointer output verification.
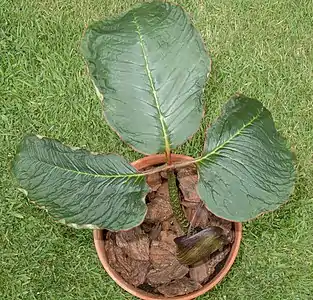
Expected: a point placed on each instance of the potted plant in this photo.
(167, 225)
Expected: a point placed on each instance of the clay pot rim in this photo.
(99, 244)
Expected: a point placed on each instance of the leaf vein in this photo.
(154, 92)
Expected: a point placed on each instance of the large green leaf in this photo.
(246, 168)
(78, 188)
(150, 67)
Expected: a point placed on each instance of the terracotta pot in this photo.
(99, 239)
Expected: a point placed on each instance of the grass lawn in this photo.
(261, 48)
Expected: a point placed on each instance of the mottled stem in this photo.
(175, 202)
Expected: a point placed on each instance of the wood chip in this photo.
(187, 186)
(154, 181)
(132, 271)
(172, 225)
(159, 210)
(164, 174)
(168, 238)
(166, 274)
(163, 191)
(162, 254)
(187, 171)
(202, 273)
(135, 243)
(179, 287)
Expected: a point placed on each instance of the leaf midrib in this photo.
(149, 74)
(90, 174)
(215, 151)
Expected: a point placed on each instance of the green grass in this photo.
(261, 48)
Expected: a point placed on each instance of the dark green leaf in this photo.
(246, 168)
(150, 66)
(199, 246)
(78, 188)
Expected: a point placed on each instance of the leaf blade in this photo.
(150, 67)
(246, 168)
(78, 188)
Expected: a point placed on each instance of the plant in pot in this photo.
(167, 225)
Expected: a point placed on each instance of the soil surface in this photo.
(145, 256)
